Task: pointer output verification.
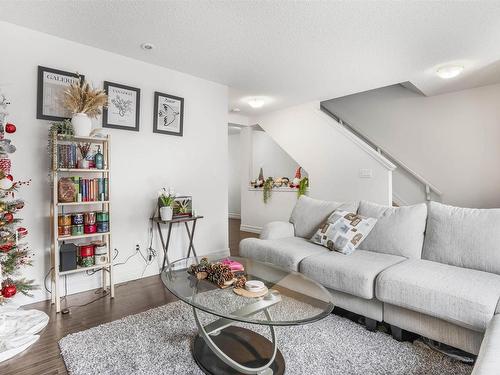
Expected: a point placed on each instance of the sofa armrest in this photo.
(277, 229)
(488, 360)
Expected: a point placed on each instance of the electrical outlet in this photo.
(137, 247)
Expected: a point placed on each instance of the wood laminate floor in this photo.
(130, 298)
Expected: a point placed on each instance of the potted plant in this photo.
(85, 103)
(166, 198)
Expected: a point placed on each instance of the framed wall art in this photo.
(168, 114)
(124, 103)
(50, 92)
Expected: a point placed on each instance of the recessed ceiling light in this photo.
(235, 110)
(256, 102)
(147, 46)
(449, 71)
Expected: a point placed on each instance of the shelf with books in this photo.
(83, 194)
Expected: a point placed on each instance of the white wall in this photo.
(453, 140)
(331, 156)
(234, 175)
(254, 212)
(266, 153)
(141, 162)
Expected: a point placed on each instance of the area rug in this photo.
(158, 341)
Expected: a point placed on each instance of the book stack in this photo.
(67, 156)
(91, 189)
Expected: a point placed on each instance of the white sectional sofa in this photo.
(429, 269)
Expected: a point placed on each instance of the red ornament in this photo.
(9, 176)
(5, 165)
(9, 217)
(9, 290)
(10, 128)
(22, 231)
(6, 247)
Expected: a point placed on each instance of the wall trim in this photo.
(234, 215)
(250, 228)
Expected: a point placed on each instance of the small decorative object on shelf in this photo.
(182, 206)
(99, 159)
(84, 102)
(166, 198)
(240, 282)
(303, 186)
(84, 148)
(296, 180)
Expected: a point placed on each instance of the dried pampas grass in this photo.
(82, 98)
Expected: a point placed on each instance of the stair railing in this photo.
(429, 188)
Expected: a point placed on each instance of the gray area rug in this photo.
(158, 341)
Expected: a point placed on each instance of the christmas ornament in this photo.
(8, 217)
(22, 231)
(10, 128)
(9, 176)
(5, 165)
(9, 290)
(5, 184)
(6, 247)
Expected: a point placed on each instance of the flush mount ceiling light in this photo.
(449, 71)
(256, 102)
(147, 46)
(235, 110)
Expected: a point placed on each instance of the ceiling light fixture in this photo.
(449, 71)
(235, 110)
(147, 46)
(256, 102)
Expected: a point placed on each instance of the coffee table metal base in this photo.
(244, 346)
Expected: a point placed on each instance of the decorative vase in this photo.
(82, 124)
(166, 213)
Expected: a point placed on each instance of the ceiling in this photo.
(289, 52)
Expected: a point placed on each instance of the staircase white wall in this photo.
(332, 156)
(453, 140)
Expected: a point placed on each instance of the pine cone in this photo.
(240, 282)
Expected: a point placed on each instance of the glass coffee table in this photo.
(221, 347)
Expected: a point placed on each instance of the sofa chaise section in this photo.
(488, 360)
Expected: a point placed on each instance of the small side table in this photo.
(178, 220)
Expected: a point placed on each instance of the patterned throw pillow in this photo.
(344, 231)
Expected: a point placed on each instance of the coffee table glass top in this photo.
(292, 299)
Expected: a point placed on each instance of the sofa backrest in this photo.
(463, 237)
(398, 231)
(308, 214)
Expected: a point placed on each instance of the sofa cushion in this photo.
(354, 274)
(399, 230)
(463, 237)
(285, 252)
(308, 214)
(343, 231)
(461, 296)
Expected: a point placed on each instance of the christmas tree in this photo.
(14, 254)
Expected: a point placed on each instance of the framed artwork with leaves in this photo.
(168, 114)
(124, 104)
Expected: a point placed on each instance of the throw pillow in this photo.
(344, 231)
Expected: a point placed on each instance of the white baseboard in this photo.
(250, 228)
(234, 216)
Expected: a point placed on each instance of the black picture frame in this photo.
(41, 91)
(105, 113)
(175, 112)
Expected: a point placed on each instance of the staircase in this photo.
(431, 192)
